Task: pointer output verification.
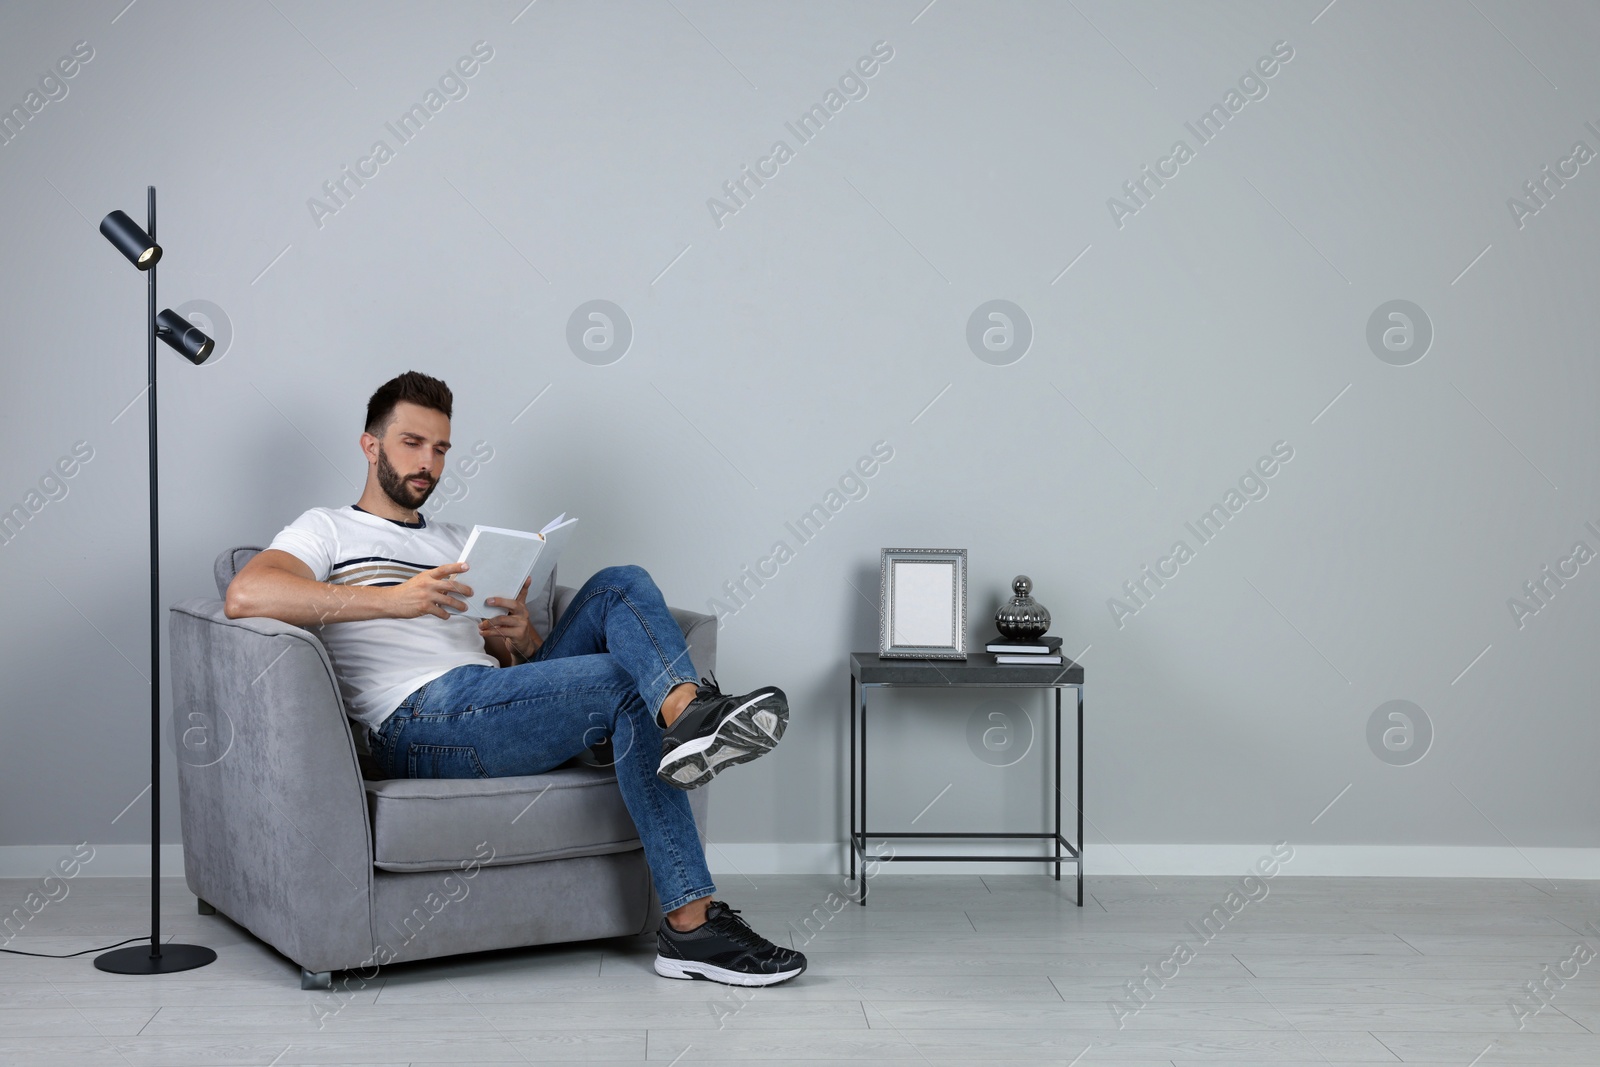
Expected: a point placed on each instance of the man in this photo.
(442, 695)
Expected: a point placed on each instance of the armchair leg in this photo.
(206, 909)
(316, 979)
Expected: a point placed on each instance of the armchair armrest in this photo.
(275, 827)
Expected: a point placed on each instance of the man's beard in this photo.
(399, 489)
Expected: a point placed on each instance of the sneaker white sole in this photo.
(745, 733)
(689, 969)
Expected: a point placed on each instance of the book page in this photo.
(556, 536)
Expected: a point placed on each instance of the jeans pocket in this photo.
(444, 761)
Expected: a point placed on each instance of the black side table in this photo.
(867, 671)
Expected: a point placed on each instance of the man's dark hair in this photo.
(412, 386)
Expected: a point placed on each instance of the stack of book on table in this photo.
(1042, 652)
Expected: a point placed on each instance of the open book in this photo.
(502, 559)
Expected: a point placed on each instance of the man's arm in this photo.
(278, 585)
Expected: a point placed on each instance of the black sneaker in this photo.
(717, 731)
(724, 949)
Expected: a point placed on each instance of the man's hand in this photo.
(514, 629)
(429, 593)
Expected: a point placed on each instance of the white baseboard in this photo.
(1350, 861)
(733, 859)
(106, 861)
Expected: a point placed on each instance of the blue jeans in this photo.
(609, 662)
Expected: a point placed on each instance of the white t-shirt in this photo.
(378, 662)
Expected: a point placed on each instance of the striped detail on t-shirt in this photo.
(375, 570)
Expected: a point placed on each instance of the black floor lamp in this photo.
(142, 251)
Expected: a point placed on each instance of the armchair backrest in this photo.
(228, 563)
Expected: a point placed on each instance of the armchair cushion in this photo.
(580, 813)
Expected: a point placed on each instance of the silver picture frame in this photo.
(922, 611)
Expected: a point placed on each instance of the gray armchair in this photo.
(284, 834)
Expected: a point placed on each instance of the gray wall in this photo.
(1224, 315)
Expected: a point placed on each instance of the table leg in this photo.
(1057, 843)
(851, 838)
(1080, 796)
(862, 899)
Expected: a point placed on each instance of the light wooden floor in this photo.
(937, 969)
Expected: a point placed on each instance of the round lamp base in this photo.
(138, 959)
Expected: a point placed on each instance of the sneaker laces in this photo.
(736, 929)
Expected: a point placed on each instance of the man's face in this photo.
(411, 454)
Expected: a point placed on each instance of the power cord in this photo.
(69, 955)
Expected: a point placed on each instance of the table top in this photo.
(979, 668)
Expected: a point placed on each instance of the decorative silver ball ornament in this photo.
(1022, 618)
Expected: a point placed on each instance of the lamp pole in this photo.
(158, 958)
(155, 599)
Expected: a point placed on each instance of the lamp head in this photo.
(130, 239)
(184, 336)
